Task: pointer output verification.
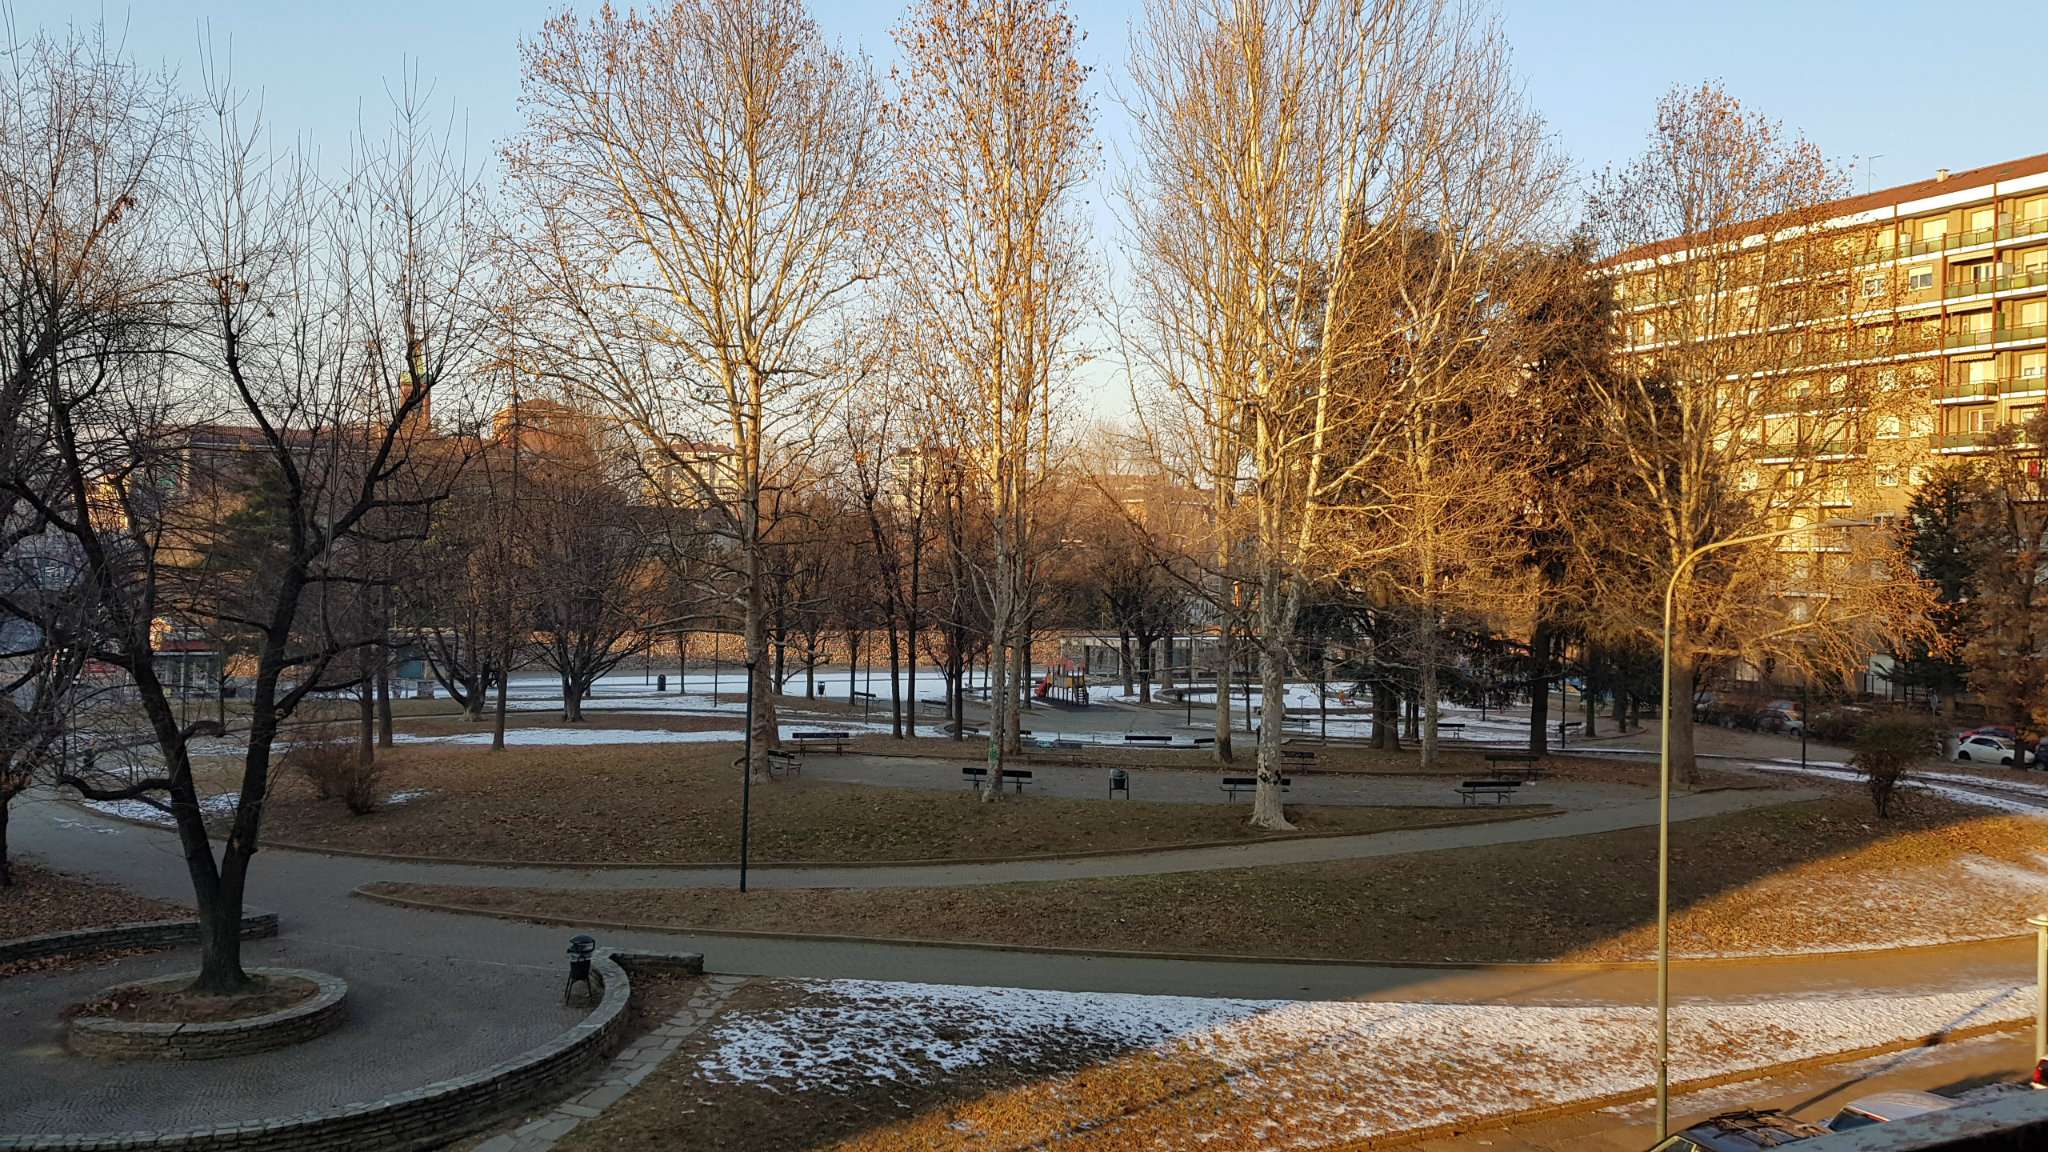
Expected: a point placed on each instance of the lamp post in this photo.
(1664, 819)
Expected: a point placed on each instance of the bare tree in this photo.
(1758, 392)
(995, 127)
(316, 322)
(698, 186)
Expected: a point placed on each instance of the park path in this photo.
(311, 892)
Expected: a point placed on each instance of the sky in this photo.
(1889, 91)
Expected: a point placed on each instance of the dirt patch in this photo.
(1796, 877)
(680, 803)
(41, 901)
(172, 1002)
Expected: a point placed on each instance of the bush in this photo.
(1889, 745)
(328, 760)
(1837, 725)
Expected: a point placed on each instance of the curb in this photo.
(112, 1039)
(1562, 966)
(138, 934)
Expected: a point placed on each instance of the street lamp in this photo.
(1664, 817)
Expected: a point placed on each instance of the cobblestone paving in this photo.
(475, 1015)
(626, 1071)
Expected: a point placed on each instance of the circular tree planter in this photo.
(108, 1038)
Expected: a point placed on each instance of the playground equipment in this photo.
(1065, 681)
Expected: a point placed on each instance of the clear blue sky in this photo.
(1919, 84)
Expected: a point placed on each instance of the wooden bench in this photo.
(1016, 776)
(810, 739)
(1232, 785)
(786, 760)
(1205, 741)
(1147, 738)
(1500, 790)
(1299, 756)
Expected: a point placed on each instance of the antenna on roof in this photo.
(1860, 160)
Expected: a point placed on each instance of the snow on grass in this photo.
(1935, 783)
(221, 804)
(1184, 1072)
(522, 737)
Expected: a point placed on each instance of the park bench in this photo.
(1232, 785)
(811, 739)
(974, 775)
(785, 760)
(1450, 726)
(1500, 790)
(1528, 768)
(1147, 738)
(1205, 741)
(940, 706)
(1295, 756)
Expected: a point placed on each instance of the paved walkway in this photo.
(490, 986)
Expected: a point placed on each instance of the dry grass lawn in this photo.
(41, 901)
(680, 803)
(1797, 877)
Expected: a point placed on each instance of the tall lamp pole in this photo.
(1664, 820)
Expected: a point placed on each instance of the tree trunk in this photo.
(1412, 707)
(1223, 753)
(498, 713)
(1591, 699)
(1145, 671)
(572, 700)
(761, 720)
(474, 689)
(366, 726)
(1678, 699)
(1541, 641)
(1386, 717)
(1123, 659)
(1275, 627)
(999, 703)
(6, 865)
(384, 738)
(896, 684)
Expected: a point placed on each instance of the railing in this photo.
(2010, 230)
(1995, 336)
(2030, 279)
(1969, 390)
(1946, 441)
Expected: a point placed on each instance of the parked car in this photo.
(1744, 1131)
(1987, 749)
(1780, 716)
(2003, 731)
(1885, 1107)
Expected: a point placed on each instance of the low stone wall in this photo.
(110, 1039)
(142, 934)
(425, 1117)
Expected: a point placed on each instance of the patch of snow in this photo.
(212, 807)
(406, 796)
(1918, 782)
(1349, 1071)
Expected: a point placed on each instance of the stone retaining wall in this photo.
(142, 934)
(107, 1038)
(422, 1118)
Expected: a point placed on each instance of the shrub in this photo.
(328, 760)
(1889, 745)
(1837, 725)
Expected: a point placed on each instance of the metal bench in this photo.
(975, 776)
(1299, 757)
(1232, 785)
(786, 760)
(1500, 790)
(1147, 738)
(811, 739)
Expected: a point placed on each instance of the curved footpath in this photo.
(311, 892)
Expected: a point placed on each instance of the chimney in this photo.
(1941, 175)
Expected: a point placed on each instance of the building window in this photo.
(1873, 287)
(1934, 229)
(2034, 366)
(1920, 278)
(1890, 427)
(1888, 475)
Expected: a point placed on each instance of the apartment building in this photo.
(1945, 306)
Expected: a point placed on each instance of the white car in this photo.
(1984, 748)
(1885, 1107)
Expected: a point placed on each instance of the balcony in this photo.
(1965, 391)
(2015, 282)
(1960, 441)
(1999, 335)
(2016, 229)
